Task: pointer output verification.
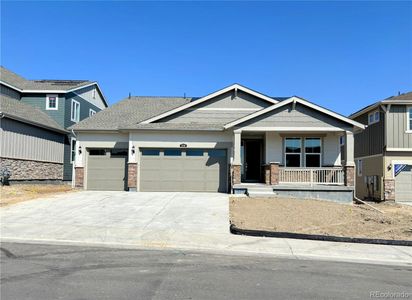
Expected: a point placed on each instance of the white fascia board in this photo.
(295, 100)
(294, 129)
(210, 96)
(374, 106)
(11, 86)
(399, 149)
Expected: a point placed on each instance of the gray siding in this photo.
(371, 140)
(39, 101)
(23, 141)
(6, 91)
(92, 95)
(396, 128)
(84, 108)
(301, 116)
(247, 103)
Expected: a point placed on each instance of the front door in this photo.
(252, 160)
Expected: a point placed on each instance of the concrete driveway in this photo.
(196, 221)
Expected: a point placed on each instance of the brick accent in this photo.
(274, 173)
(236, 174)
(350, 175)
(267, 174)
(22, 169)
(79, 177)
(389, 189)
(131, 175)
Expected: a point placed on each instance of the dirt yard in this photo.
(322, 218)
(22, 192)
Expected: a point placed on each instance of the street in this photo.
(31, 271)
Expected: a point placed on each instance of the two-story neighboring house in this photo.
(65, 102)
(383, 151)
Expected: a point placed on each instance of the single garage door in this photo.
(106, 170)
(187, 170)
(403, 184)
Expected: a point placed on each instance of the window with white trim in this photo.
(91, 112)
(72, 149)
(312, 152)
(75, 111)
(373, 117)
(293, 152)
(409, 118)
(359, 167)
(52, 102)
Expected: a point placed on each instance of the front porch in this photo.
(301, 164)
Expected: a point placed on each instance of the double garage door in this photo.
(194, 170)
(180, 170)
(403, 184)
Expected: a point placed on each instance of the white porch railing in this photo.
(311, 176)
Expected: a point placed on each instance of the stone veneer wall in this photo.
(131, 175)
(79, 177)
(389, 189)
(32, 170)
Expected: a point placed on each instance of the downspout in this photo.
(385, 145)
(73, 164)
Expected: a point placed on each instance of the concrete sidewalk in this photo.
(186, 221)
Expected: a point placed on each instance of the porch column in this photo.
(349, 160)
(236, 164)
(132, 168)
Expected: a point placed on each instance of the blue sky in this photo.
(342, 55)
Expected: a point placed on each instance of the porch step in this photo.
(260, 192)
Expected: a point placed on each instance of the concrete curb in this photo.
(316, 237)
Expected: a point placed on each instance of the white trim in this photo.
(47, 102)
(398, 162)
(224, 109)
(374, 114)
(11, 86)
(71, 150)
(399, 149)
(408, 120)
(77, 116)
(368, 156)
(359, 170)
(293, 153)
(91, 112)
(297, 100)
(292, 129)
(210, 96)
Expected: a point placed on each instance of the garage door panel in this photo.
(403, 185)
(106, 173)
(183, 173)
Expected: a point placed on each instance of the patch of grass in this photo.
(22, 192)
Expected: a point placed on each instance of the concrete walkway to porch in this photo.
(186, 221)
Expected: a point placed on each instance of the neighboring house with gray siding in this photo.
(233, 140)
(383, 151)
(66, 102)
(32, 143)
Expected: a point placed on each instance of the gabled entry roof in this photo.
(235, 86)
(294, 99)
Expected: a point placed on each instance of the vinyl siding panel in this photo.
(371, 140)
(202, 113)
(23, 141)
(6, 91)
(84, 108)
(301, 116)
(93, 97)
(39, 101)
(396, 129)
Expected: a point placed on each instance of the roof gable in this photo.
(234, 87)
(293, 101)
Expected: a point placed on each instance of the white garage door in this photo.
(403, 185)
(188, 170)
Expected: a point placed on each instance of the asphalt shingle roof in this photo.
(404, 96)
(130, 111)
(26, 113)
(21, 83)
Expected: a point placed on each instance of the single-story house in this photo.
(232, 140)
